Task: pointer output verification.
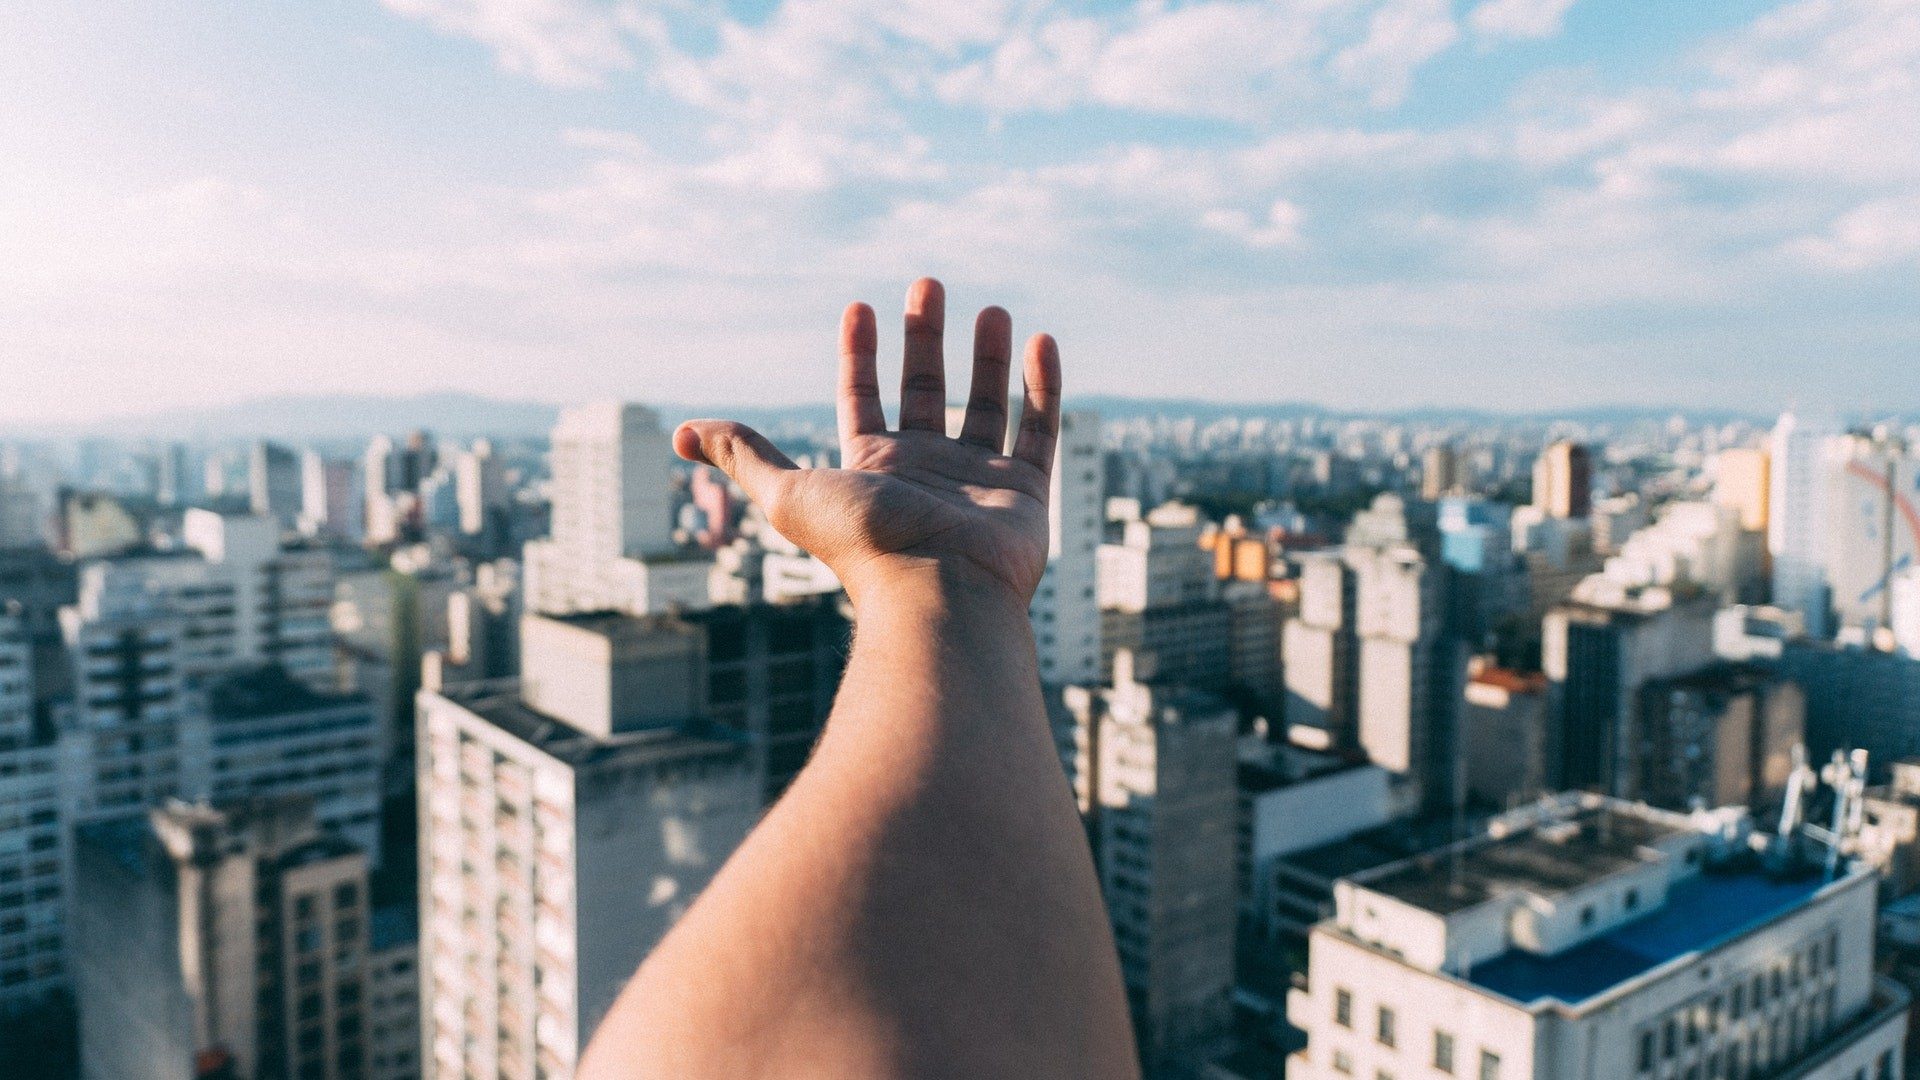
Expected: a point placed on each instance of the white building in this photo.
(612, 546)
(558, 843)
(1702, 543)
(1597, 940)
(1410, 671)
(136, 735)
(1799, 503)
(239, 597)
(331, 500)
(480, 487)
(1158, 562)
(1066, 615)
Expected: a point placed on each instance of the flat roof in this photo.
(1373, 848)
(1594, 844)
(1701, 913)
(503, 709)
(1281, 765)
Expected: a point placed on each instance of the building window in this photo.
(1586, 915)
(1443, 1052)
(1489, 1065)
(1385, 1032)
(1342, 1063)
(1646, 1051)
(1633, 899)
(1343, 1008)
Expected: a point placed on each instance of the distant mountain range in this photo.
(459, 415)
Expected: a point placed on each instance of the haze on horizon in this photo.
(1515, 205)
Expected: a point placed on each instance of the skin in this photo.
(922, 902)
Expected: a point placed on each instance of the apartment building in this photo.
(1600, 940)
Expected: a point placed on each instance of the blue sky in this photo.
(1527, 204)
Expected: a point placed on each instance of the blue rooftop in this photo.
(1700, 913)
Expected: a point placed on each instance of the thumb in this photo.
(739, 451)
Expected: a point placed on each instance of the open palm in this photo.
(913, 498)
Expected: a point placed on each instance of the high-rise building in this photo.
(1874, 527)
(1598, 656)
(1158, 562)
(35, 583)
(612, 545)
(1505, 735)
(1410, 670)
(1799, 502)
(1694, 543)
(331, 500)
(1293, 798)
(393, 994)
(1742, 480)
(1066, 615)
(1721, 736)
(1857, 698)
(1155, 775)
(771, 673)
(1563, 480)
(34, 844)
(173, 479)
(241, 597)
(481, 491)
(1321, 652)
(1440, 472)
(1904, 594)
(135, 736)
(221, 941)
(272, 734)
(1594, 938)
(563, 829)
(273, 483)
(23, 514)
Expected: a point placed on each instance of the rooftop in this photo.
(501, 706)
(609, 623)
(1272, 766)
(1595, 843)
(1701, 913)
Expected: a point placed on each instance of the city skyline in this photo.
(1364, 203)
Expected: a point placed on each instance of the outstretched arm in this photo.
(921, 903)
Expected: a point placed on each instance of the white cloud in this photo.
(1880, 233)
(1519, 19)
(1280, 228)
(1231, 59)
(560, 42)
(1401, 36)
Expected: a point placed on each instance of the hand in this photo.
(908, 502)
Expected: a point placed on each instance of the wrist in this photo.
(931, 587)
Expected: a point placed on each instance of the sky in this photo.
(1509, 204)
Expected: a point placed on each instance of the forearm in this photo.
(922, 902)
